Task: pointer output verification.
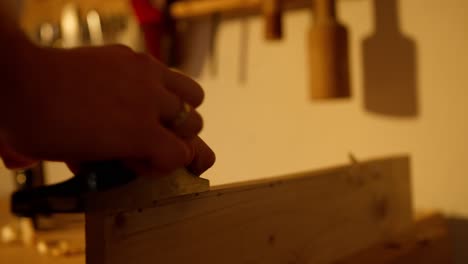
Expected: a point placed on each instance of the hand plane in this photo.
(104, 186)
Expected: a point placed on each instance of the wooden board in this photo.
(426, 242)
(312, 217)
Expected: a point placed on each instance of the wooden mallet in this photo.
(328, 51)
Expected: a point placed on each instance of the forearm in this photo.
(14, 48)
(15, 52)
(8, 19)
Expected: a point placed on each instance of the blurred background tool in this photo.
(328, 53)
(159, 30)
(273, 19)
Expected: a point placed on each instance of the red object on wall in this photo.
(151, 24)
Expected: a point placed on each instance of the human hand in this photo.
(105, 103)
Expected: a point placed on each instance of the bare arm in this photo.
(14, 47)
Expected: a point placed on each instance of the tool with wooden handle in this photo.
(328, 51)
(273, 19)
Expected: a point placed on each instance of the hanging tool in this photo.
(273, 19)
(214, 26)
(95, 30)
(71, 26)
(328, 53)
(159, 30)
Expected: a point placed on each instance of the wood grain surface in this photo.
(427, 241)
(311, 217)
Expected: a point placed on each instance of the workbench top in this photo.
(426, 242)
(71, 230)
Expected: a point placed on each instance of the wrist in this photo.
(16, 55)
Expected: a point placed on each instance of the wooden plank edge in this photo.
(427, 241)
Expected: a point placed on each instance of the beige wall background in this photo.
(261, 123)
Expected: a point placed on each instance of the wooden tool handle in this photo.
(188, 9)
(328, 51)
(324, 10)
(273, 19)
